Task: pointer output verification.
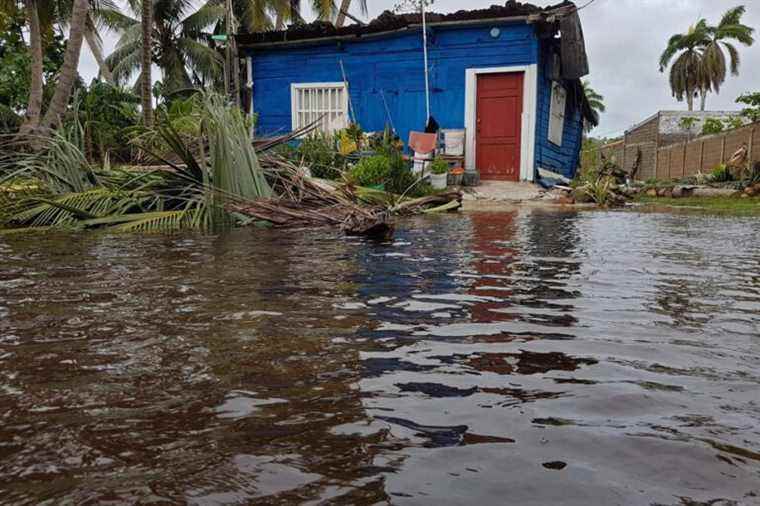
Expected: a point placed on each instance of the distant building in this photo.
(508, 75)
(637, 152)
(667, 127)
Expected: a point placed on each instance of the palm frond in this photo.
(204, 60)
(208, 14)
(125, 61)
(72, 208)
(115, 20)
(734, 58)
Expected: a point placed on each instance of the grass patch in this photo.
(718, 205)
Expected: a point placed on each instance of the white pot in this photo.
(438, 181)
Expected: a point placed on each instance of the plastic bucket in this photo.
(421, 162)
(438, 181)
(453, 142)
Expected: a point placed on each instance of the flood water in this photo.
(531, 357)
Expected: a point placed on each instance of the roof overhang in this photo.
(243, 44)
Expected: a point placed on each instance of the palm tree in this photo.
(714, 59)
(42, 16)
(146, 60)
(181, 46)
(344, 6)
(325, 10)
(687, 74)
(36, 85)
(68, 72)
(596, 102)
(258, 15)
(95, 43)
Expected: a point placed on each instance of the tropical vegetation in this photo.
(57, 187)
(697, 59)
(595, 102)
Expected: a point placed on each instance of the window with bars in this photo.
(323, 102)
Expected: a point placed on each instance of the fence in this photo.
(702, 154)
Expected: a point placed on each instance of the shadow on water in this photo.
(543, 357)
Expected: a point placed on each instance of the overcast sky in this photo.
(624, 39)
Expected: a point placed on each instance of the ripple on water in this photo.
(549, 357)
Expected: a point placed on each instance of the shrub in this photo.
(107, 113)
(600, 191)
(372, 171)
(712, 126)
(319, 154)
(720, 174)
(401, 180)
(752, 101)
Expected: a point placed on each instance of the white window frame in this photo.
(557, 111)
(319, 89)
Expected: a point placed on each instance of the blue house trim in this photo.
(386, 80)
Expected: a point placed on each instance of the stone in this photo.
(682, 191)
(665, 192)
(565, 200)
(652, 192)
(749, 192)
(713, 192)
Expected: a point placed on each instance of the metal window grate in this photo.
(323, 102)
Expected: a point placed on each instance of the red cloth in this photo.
(422, 143)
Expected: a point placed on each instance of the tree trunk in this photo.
(341, 20)
(690, 99)
(146, 81)
(34, 109)
(295, 12)
(703, 100)
(68, 72)
(96, 48)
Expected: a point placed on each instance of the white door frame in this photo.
(528, 129)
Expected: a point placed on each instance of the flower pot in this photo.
(438, 181)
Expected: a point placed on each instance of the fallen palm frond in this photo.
(208, 182)
(305, 201)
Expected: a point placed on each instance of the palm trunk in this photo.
(341, 20)
(96, 48)
(146, 81)
(703, 100)
(690, 99)
(70, 65)
(34, 109)
(295, 12)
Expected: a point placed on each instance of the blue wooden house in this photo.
(509, 76)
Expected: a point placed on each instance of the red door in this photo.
(499, 124)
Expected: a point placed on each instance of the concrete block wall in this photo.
(704, 154)
(673, 161)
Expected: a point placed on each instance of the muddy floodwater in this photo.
(529, 358)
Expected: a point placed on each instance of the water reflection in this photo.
(595, 358)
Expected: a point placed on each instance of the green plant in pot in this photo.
(439, 171)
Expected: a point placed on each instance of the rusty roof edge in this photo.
(357, 37)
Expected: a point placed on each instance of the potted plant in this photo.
(439, 173)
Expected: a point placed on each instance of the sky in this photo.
(624, 39)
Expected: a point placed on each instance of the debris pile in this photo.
(303, 201)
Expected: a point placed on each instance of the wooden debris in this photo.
(304, 201)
